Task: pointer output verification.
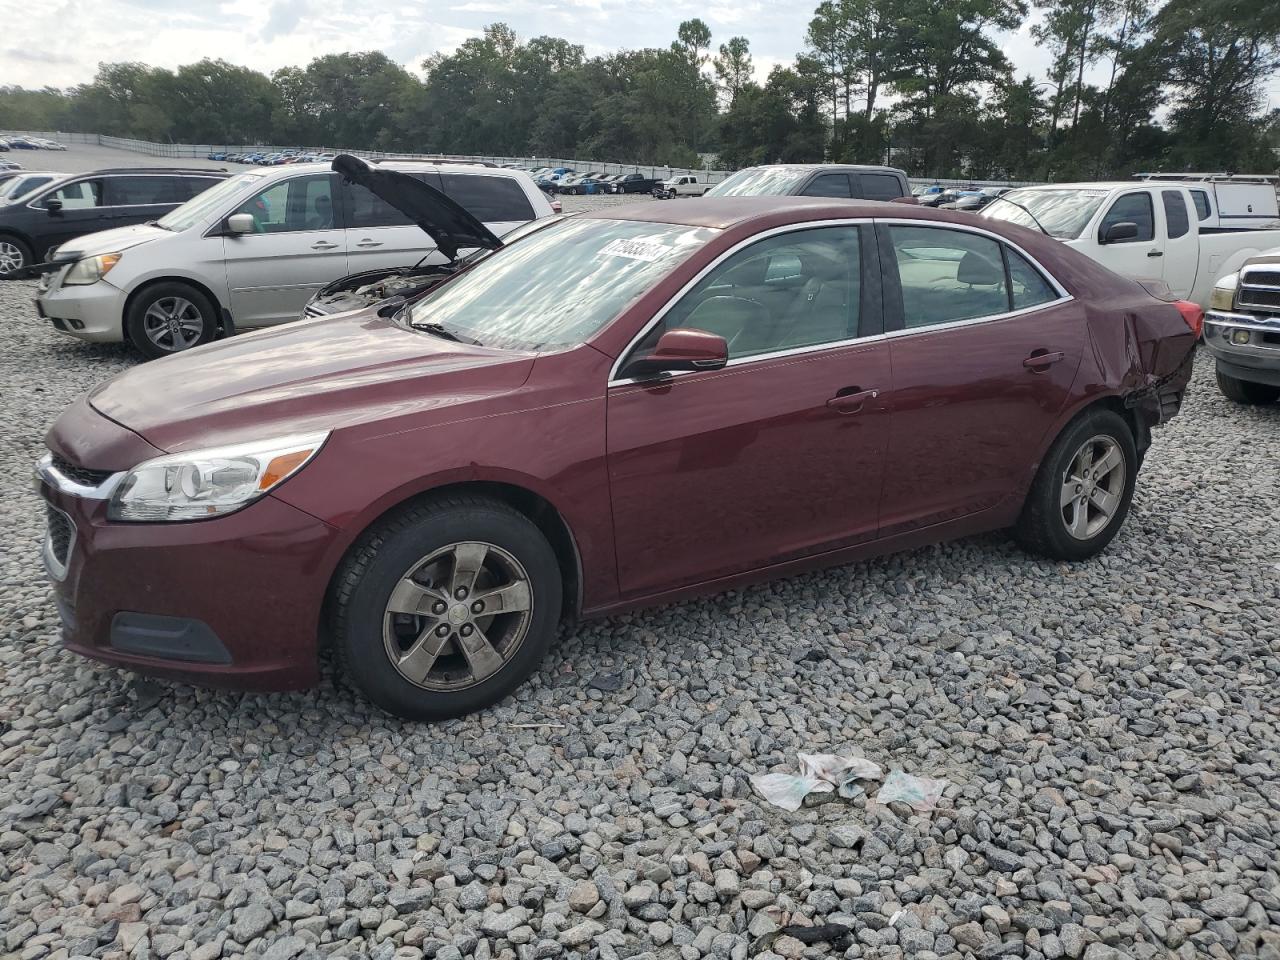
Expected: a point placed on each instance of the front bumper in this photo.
(231, 602)
(1246, 346)
(93, 311)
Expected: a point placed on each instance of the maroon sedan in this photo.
(619, 409)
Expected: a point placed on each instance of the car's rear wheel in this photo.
(1246, 391)
(1081, 494)
(14, 255)
(170, 318)
(446, 607)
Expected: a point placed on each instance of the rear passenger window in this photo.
(1175, 213)
(881, 186)
(1132, 208)
(1027, 287)
(829, 185)
(488, 199)
(948, 275)
(1201, 200)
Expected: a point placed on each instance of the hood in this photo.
(311, 375)
(107, 241)
(445, 221)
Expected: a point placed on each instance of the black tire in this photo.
(363, 586)
(1246, 391)
(1043, 527)
(11, 249)
(200, 330)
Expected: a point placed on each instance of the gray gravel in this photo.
(1111, 732)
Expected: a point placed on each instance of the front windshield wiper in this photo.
(1015, 203)
(440, 330)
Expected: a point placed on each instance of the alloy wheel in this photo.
(457, 616)
(1092, 487)
(11, 257)
(173, 323)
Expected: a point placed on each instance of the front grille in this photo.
(81, 475)
(1260, 290)
(60, 534)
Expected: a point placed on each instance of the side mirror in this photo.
(1119, 232)
(239, 223)
(53, 205)
(681, 349)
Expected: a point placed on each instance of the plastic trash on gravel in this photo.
(919, 793)
(819, 773)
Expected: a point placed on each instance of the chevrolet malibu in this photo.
(623, 408)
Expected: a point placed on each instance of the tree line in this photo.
(923, 84)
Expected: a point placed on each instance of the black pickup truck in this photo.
(633, 183)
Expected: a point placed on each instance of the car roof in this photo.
(403, 166)
(1096, 185)
(721, 213)
(806, 167)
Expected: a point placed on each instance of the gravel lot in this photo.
(81, 157)
(1111, 732)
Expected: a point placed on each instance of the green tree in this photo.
(733, 67)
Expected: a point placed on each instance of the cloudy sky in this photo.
(266, 34)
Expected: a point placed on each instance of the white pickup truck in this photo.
(681, 185)
(1149, 230)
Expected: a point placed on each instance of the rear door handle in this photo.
(1042, 359)
(1155, 253)
(323, 245)
(851, 399)
(369, 243)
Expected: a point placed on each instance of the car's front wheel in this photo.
(1081, 494)
(445, 607)
(14, 255)
(1246, 391)
(169, 318)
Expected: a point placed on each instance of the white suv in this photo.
(253, 250)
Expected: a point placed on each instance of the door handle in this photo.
(1155, 253)
(851, 399)
(1041, 360)
(323, 245)
(369, 243)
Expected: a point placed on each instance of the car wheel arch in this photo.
(204, 288)
(537, 508)
(1106, 401)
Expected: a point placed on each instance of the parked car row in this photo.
(14, 142)
(273, 159)
(582, 414)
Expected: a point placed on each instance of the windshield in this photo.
(198, 208)
(758, 182)
(1062, 213)
(19, 186)
(557, 286)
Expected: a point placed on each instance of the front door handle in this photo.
(323, 245)
(1041, 360)
(851, 399)
(1155, 253)
(369, 243)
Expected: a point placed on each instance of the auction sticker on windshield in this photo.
(645, 250)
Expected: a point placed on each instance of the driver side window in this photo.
(303, 203)
(792, 290)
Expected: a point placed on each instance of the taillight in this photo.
(1192, 313)
(557, 206)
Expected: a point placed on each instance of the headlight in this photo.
(210, 483)
(1223, 296)
(91, 269)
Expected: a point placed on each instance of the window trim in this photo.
(885, 289)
